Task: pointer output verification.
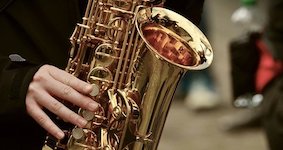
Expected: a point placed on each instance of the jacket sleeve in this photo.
(16, 74)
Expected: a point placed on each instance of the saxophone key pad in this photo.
(78, 133)
(95, 90)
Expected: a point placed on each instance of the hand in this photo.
(50, 83)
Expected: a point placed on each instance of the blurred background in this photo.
(220, 126)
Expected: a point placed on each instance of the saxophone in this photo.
(134, 54)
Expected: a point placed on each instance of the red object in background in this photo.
(268, 67)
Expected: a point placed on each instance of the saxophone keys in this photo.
(95, 90)
(105, 55)
(78, 134)
(100, 77)
(88, 115)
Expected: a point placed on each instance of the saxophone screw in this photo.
(117, 112)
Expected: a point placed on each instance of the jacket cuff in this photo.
(21, 83)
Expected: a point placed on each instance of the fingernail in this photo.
(82, 122)
(92, 106)
(60, 135)
(88, 88)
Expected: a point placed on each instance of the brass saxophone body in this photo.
(134, 54)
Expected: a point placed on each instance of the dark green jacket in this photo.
(38, 31)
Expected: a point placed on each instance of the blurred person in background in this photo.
(269, 78)
(268, 75)
(244, 59)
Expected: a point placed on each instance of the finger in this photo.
(70, 80)
(69, 94)
(43, 120)
(60, 110)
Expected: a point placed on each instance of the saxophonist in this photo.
(34, 49)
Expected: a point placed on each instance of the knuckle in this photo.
(47, 67)
(67, 81)
(32, 89)
(67, 90)
(41, 120)
(56, 106)
(42, 73)
(39, 76)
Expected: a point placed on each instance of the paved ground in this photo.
(188, 130)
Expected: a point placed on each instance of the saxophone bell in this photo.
(174, 38)
(171, 45)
